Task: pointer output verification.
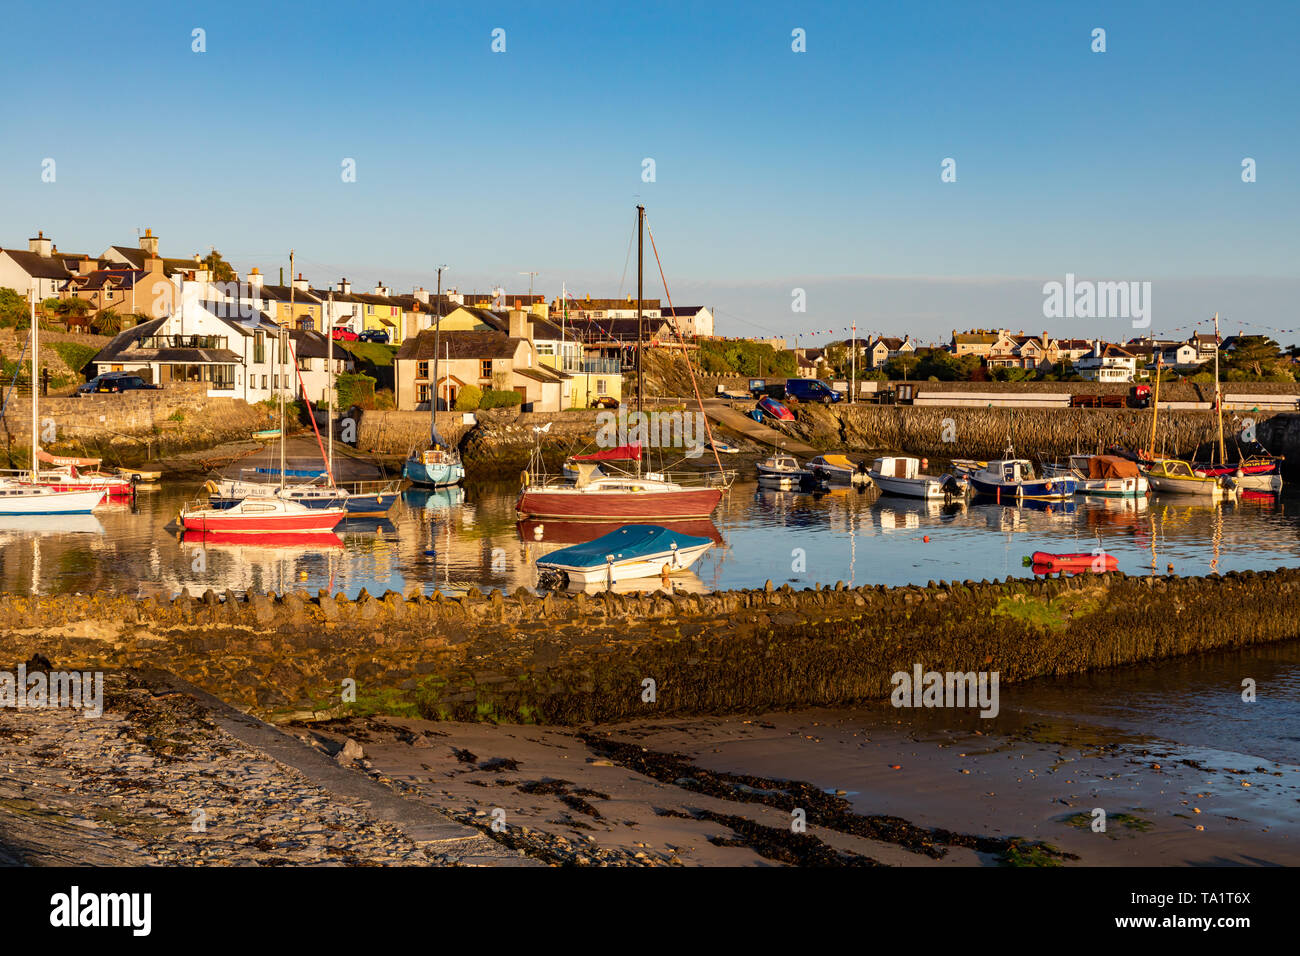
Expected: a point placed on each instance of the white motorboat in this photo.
(633, 551)
(837, 470)
(783, 468)
(903, 476)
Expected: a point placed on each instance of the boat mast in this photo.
(1218, 395)
(329, 362)
(1155, 406)
(36, 438)
(640, 331)
(437, 341)
(283, 372)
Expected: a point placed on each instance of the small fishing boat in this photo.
(267, 434)
(838, 470)
(632, 551)
(769, 407)
(435, 467)
(1013, 480)
(782, 468)
(1045, 562)
(903, 476)
(260, 514)
(17, 498)
(1257, 473)
(1108, 475)
(1174, 477)
(724, 447)
(138, 475)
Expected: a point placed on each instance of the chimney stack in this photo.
(421, 295)
(149, 242)
(40, 245)
(301, 284)
(345, 287)
(255, 279)
(520, 327)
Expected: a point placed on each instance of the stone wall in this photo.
(131, 426)
(961, 432)
(571, 659)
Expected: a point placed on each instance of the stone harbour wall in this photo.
(132, 426)
(568, 659)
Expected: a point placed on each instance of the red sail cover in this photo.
(621, 453)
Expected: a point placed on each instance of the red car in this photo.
(342, 333)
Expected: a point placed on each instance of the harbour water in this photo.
(458, 538)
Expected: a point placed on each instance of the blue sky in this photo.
(774, 169)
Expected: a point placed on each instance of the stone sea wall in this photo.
(572, 659)
(962, 432)
(131, 427)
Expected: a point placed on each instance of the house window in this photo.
(264, 385)
(304, 365)
(259, 350)
(485, 369)
(422, 393)
(370, 310)
(600, 386)
(421, 369)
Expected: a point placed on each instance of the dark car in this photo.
(604, 401)
(111, 382)
(810, 390)
(374, 335)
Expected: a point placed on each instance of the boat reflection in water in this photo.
(22, 525)
(430, 499)
(894, 513)
(281, 561)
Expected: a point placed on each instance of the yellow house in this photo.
(381, 312)
(293, 306)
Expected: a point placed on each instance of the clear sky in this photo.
(774, 170)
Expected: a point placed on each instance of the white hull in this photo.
(646, 567)
(1115, 487)
(41, 501)
(928, 488)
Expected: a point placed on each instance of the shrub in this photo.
(498, 398)
(355, 389)
(468, 398)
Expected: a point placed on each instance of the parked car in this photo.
(110, 382)
(342, 333)
(810, 390)
(374, 335)
(604, 401)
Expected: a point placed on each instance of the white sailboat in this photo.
(29, 497)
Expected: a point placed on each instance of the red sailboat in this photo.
(629, 495)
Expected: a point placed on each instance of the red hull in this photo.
(113, 488)
(314, 521)
(611, 506)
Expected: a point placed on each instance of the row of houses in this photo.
(181, 324)
(1093, 359)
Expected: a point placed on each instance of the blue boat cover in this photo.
(629, 543)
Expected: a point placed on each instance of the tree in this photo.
(1255, 354)
(218, 268)
(13, 308)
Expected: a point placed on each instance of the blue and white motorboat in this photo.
(632, 551)
(1013, 480)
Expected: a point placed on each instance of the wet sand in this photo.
(881, 788)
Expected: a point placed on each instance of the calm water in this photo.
(458, 538)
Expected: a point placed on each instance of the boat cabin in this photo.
(897, 467)
(1011, 470)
